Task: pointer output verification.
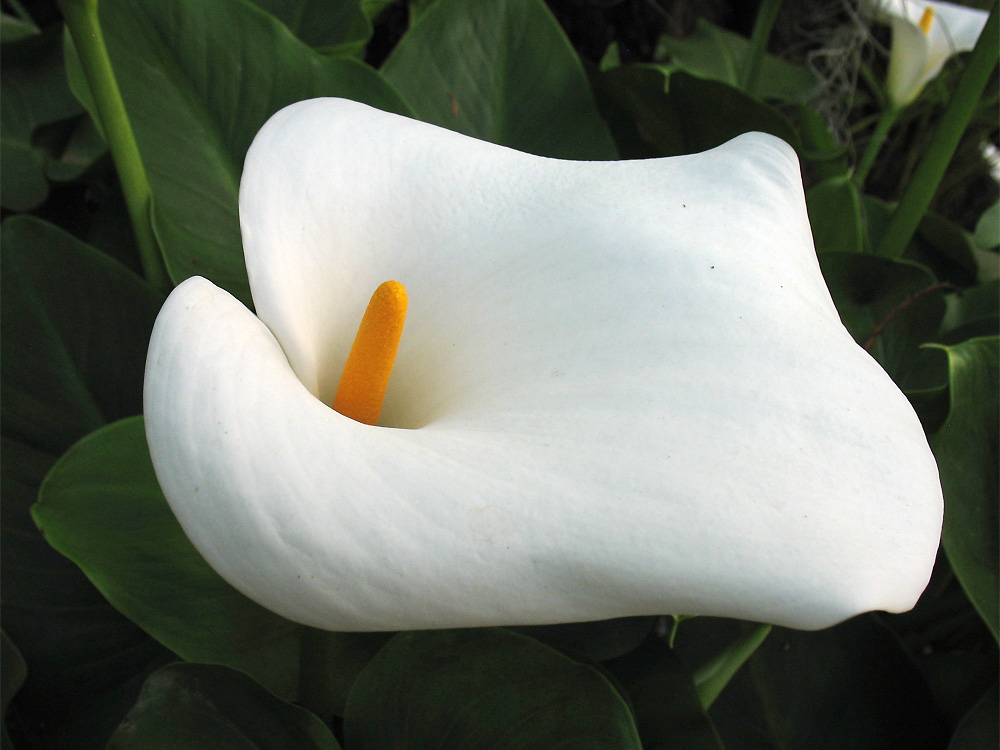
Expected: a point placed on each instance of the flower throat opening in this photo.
(366, 373)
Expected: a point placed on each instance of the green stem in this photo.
(712, 677)
(885, 123)
(919, 193)
(766, 14)
(673, 630)
(85, 28)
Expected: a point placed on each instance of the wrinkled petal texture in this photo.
(622, 389)
(916, 58)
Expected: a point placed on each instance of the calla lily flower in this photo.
(622, 389)
(924, 36)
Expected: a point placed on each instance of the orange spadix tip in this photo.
(373, 353)
(926, 20)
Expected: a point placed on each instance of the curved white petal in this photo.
(622, 389)
(917, 57)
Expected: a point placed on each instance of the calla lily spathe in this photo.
(918, 54)
(622, 389)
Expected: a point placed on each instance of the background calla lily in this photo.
(622, 389)
(920, 51)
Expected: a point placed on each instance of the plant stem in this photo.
(713, 676)
(85, 28)
(919, 193)
(766, 14)
(885, 123)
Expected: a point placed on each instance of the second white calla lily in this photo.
(924, 36)
(622, 389)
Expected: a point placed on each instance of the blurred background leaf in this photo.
(488, 687)
(502, 72)
(209, 707)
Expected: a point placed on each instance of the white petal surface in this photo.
(916, 58)
(622, 389)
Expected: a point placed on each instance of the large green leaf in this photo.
(835, 215)
(600, 640)
(330, 26)
(892, 307)
(719, 54)
(980, 728)
(101, 506)
(75, 329)
(35, 93)
(209, 707)
(653, 114)
(850, 686)
(460, 689)
(966, 449)
(500, 71)
(664, 700)
(75, 326)
(13, 670)
(199, 79)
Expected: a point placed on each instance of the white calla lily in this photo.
(622, 389)
(924, 36)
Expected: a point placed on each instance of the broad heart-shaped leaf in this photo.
(34, 94)
(718, 54)
(966, 450)
(75, 325)
(600, 640)
(980, 728)
(13, 670)
(835, 215)
(666, 706)
(199, 79)
(101, 506)
(653, 111)
(329, 26)
(431, 690)
(891, 307)
(850, 686)
(939, 244)
(503, 72)
(210, 707)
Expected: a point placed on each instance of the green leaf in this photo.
(13, 29)
(199, 80)
(891, 307)
(691, 115)
(330, 26)
(101, 506)
(482, 688)
(75, 325)
(939, 244)
(86, 660)
(13, 670)
(718, 54)
(850, 686)
(835, 215)
(988, 228)
(598, 641)
(981, 726)
(35, 93)
(966, 450)
(667, 710)
(208, 707)
(503, 72)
